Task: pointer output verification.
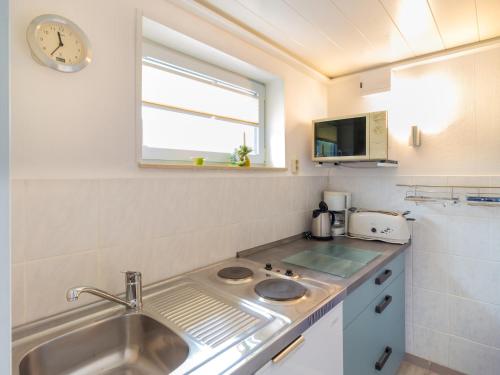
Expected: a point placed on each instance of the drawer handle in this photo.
(384, 276)
(379, 365)
(290, 348)
(382, 305)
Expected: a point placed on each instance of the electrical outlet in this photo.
(294, 166)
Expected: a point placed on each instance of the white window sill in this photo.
(206, 166)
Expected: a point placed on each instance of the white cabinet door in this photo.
(319, 354)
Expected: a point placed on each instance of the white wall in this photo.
(83, 125)
(453, 302)
(5, 302)
(83, 210)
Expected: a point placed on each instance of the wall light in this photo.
(415, 139)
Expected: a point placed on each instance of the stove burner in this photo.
(235, 273)
(280, 289)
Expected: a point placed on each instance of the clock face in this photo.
(58, 43)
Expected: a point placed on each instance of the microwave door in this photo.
(342, 139)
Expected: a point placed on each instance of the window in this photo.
(192, 108)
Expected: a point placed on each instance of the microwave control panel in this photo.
(378, 135)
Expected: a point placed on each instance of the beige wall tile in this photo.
(475, 279)
(431, 270)
(134, 256)
(469, 236)
(124, 211)
(474, 320)
(430, 309)
(48, 279)
(494, 239)
(431, 233)
(18, 223)
(18, 297)
(472, 358)
(61, 217)
(430, 344)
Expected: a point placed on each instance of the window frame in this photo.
(169, 56)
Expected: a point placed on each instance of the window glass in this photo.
(187, 112)
(182, 131)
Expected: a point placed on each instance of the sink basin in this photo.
(132, 344)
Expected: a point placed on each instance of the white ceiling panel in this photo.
(456, 20)
(250, 19)
(327, 19)
(415, 21)
(488, 16)
(337, 37)
(371, 19)
(283, 17)
(274, 32)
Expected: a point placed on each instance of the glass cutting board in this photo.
(338, 260)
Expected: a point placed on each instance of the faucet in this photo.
(133, 292)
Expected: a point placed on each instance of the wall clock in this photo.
(58, 43)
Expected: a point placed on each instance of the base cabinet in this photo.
(318, 352)
(374, 341)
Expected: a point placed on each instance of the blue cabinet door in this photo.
(372, 333)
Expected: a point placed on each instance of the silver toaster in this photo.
(387, 226)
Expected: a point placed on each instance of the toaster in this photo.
(387, 226)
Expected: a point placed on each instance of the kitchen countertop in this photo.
(274, 253)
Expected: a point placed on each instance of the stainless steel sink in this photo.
(131, 344)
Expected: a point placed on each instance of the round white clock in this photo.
(58, 43)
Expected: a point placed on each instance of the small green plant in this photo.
(240, 155)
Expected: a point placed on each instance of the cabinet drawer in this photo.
(368, 336)
(356, 302)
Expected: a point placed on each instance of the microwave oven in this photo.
(351, 138)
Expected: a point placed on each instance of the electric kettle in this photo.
(322, 220)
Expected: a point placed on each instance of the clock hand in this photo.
(60, 40)
(54, 51)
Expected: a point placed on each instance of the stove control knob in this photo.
(289, 273)
(268, 267)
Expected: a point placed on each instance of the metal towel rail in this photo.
(448, 194)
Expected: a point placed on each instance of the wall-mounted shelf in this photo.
(447, 194)
(363, 164)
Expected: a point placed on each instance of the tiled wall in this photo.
(73, 232)
(453, 271)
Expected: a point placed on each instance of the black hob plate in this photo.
(235, 273)
(280, 289)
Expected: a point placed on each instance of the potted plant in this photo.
(240, 155)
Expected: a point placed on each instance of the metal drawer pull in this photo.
(382, 305)
(384, 276)
(379, 365)
(290, 348)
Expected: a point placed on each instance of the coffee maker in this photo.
(339, 202)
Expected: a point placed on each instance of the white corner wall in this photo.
(453, 266)
(82, 210)
(5, 302)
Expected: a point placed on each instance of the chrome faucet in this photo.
(133, 292)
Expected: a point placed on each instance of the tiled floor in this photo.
(408, 368)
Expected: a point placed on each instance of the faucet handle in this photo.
(133, 288)
(132, 276)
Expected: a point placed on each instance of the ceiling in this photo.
(338, 37)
